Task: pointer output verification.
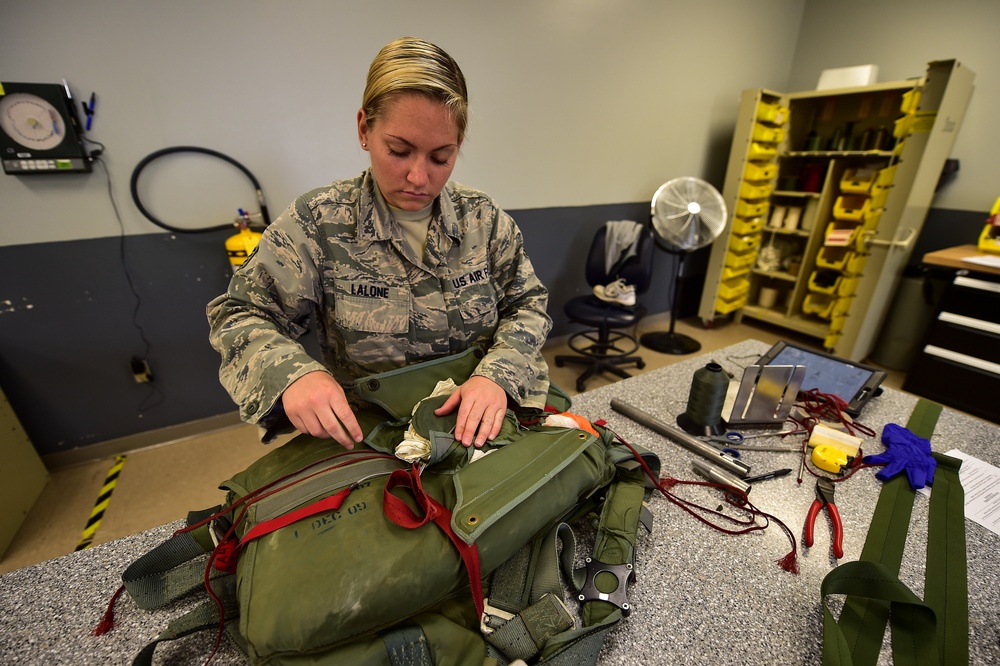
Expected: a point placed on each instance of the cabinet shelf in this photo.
(839, 153)
(795, 193)
(810, 327)
(781, 231)
(827, 192)
(777, 275)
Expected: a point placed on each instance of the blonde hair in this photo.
(412, 65)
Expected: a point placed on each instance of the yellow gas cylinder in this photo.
(239, 246)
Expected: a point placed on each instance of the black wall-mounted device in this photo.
(40, 130)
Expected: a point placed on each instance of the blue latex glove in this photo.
(904, 452)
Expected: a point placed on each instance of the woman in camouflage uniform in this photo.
(395, 266)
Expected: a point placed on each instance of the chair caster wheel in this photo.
(560, 363)
(581, 387)
(640, 364)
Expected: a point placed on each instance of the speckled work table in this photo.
(701, 597)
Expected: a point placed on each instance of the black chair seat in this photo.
(592, 311)
(603, 347)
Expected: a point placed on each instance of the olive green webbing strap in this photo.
(948, 594)
(527, 585)
(921, 630)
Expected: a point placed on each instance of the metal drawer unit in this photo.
(959, 364)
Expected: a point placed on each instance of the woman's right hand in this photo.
(316, 405)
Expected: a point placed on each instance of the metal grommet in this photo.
(582, 435)
(373, 384)
(478, 353)
(472, 520)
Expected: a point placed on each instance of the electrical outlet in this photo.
(140, 370)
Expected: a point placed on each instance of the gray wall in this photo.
(900, 36)
(579, 111)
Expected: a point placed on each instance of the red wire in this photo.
(734, 496)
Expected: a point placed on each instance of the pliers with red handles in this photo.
(824, 498)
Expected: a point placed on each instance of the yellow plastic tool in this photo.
(989, 240)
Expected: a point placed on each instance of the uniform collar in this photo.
(374, 214)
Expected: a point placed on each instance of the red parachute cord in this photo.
(734, 497)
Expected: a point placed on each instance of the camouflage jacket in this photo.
(336, 259)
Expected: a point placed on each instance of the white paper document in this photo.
(981, 482)
(984, 260)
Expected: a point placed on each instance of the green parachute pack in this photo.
(323, 555)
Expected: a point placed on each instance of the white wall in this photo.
(574, 102)
(900, 37)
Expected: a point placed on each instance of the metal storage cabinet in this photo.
(959, 364)
(838, 184)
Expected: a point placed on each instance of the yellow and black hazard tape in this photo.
(110, 481)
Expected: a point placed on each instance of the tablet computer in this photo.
(854, 383)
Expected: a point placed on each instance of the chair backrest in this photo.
(636, 271)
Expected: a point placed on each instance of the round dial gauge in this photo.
(31, 121)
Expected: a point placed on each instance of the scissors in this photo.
(725, 442)
(731, 438)
(733, 442)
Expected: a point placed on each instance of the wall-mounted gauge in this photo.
(39, 130)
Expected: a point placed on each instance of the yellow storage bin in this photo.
(820, 305)
(728, 272)
(885, 176)
(878, 196)
(760, 170)
(772, 112)
(735, 260)
(761, 151)
(746, 208)
(911, 100)
(824, 282)
(741, 244)
(743, 227)
(855, 264)
(825, 306)
(731, 289)
(851, 207)
(830, 341)
(870, 221)
(841, 233)
(847, 286)
(901, 128)
(843, 259)
(723, 306)
(833, 258)
(837, 323)
(755, 189)
(858, 181)
(767, 134)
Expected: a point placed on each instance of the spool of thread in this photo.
(768, 297)
(705, 401)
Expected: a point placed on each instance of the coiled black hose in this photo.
(192, 149)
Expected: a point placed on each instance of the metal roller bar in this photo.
(723, 460)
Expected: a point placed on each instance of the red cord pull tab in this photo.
(107, 622)
(227, 555)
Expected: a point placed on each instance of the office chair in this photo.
(604, 346)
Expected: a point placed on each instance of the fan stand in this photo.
(669, 342)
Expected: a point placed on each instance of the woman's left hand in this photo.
(482, 405)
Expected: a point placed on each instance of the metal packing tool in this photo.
(723, 460)
(716, 475)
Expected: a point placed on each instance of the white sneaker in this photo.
(616, 292)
